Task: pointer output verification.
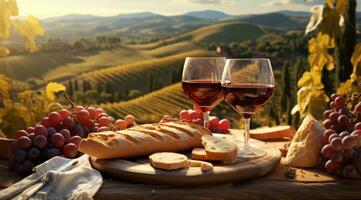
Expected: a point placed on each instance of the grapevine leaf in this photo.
(318, 52)
(4, 51)
(356, 56)
(316, 18)
(29, 29)
(52, 88)
(4, 89)
(8, 8)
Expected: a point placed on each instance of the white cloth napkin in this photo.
(79, 183)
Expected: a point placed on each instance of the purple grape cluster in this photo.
(341, 153)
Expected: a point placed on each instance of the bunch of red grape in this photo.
(59, 134)
(195, 116)
(341, 153)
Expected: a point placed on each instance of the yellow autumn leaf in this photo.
(318, 52)
(4, 51)
(8, 8)
(4, 89)
(29, 29)
(356, 56)
(316, 18)
(52, 88)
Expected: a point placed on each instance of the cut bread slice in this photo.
(168, 161)
(223, 148)
(200, 154)
(205, 166)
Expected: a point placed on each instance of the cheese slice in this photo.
(306, 145)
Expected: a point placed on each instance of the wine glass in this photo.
(201, 81)
(248, 86)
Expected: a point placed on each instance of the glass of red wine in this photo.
(248, 86)
(201, 81)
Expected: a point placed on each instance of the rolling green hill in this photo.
(61, 65)
(144, 76)
(172, 49)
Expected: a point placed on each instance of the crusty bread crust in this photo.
(144, 140)
(221, 154)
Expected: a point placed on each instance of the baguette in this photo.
(144, 140)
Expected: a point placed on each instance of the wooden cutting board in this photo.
(140, 170)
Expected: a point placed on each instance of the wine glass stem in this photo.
(247, 122)
(206, 119)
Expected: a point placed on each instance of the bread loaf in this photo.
(144, 140)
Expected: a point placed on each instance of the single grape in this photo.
(98, 112)
(344, 121)
(78, 130)
(51, 131)
(349, 142)
(27, 167)
(20, 155)
(57, 140)
(40, 141)
(45, 122)
(358, 126)
(333, 96)
(336, 144)
(213, 122)
(339, 102)
(331, 166)
(198, 121)
(66, 134)
(327, 113)
(91, 111)
(83, 116)
(78, 108)
(75, 140)
(104, 121)
(64, 113)
(195, 115)
(327, 151)
(333, 117)
(54, 118)
(356, 133)
(349, 171)
(31, 136)
(224, 124)
(129, 119)
(21, 133)
(24, 142)
(332, 136)
(184, 114)
(344, 134)
(344, 111)
(103, 128)
(337, 157)
(33, 154)
(327, 123)
(70, 150)
(332, 105)
(121, 124)
(68, 123)
(40, 130)
(86, 131)
(327, 133)
(52, 152)
(30, 130)
(357, 108)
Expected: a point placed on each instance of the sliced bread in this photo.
(223, 148)
(168, 161)
(205, 166)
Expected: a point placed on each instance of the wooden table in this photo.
(308, 184)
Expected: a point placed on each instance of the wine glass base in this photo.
(250, 152)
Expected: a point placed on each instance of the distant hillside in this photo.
(160, 72)
(275, 20)
(208, 14)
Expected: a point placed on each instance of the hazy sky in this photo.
(50, 8)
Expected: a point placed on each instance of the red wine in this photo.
(246, 99)
(206, 94)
